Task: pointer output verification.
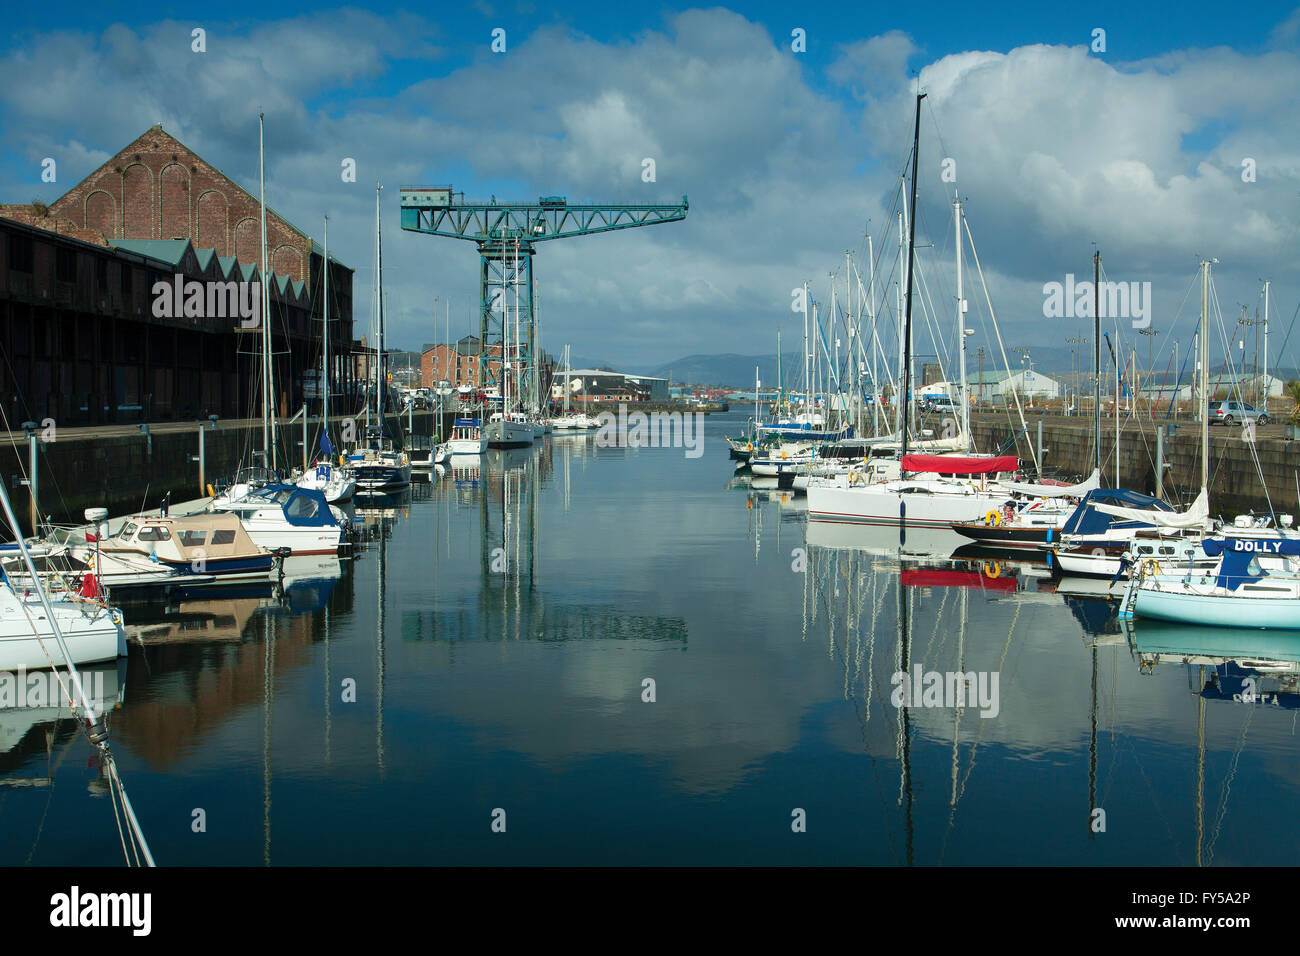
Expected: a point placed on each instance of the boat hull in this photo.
(872, 506)
(370, 476)
(775, 468)
(1217, 610)
(95, 634)
(1001, 536)
(323, 539)
(510, 434)
(467, 446)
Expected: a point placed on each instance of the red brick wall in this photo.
(444, 362)
(156, 188)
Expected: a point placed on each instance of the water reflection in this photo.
(930, 606)
(485, 641)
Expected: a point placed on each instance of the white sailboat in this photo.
(325, 476)
(376, 465)
(940, 489)
(39, 631)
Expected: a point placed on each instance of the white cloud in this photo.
(1055, 149)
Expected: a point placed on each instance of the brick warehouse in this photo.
(80, 341)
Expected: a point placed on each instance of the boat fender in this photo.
(212, 493)
(993, 518)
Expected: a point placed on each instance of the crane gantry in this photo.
(507, 234)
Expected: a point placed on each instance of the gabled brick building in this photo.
(158, 188)
(80, 339)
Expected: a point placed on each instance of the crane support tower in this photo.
(507, 235)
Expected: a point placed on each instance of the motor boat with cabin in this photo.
(193, 549)
(286, 516)
(511, 430)
(378, 466)
(467, 437)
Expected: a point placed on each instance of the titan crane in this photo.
(507, 234)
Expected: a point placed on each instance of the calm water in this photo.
(499, 622)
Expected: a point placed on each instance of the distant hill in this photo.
(731, 370)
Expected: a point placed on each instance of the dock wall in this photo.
(122, 469)
(1235, 483)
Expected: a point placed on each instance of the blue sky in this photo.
(788, 157)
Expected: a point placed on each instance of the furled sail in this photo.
(1197, 516)
(1091, 483)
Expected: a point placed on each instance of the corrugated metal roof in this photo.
(171, 251)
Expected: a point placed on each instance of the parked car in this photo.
(1229, 413)
(940, 405)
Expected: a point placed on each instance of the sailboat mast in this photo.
(898, 288)
(1264, 401)
(856, 414)
(911, 259)
(1203, 358)
(806, 385)
(1096, 363)
(325, 339)
(518, 356)
(780, 380)
(536, 312)
(961, 333)
(266, 319)
(379, 314)
(875, 343)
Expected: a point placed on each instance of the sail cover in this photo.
(1090, 483)
(960, 465)
(1197, 516)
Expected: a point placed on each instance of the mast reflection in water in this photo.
(491, 640)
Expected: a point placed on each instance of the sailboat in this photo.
(276, 515)
(1255, 580)
(38, 631)
(334, 481)
(931, 490)
(571, 421)
(511, 427)
(1237, 592)
(376, 464)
